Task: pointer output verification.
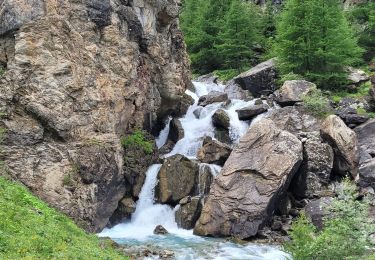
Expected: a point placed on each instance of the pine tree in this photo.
(239, 33)
(314, 40)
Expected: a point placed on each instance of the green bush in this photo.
(29, 229)
(317, 104)
(345, 234)
(138, 140)
(226, 75)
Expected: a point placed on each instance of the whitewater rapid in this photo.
(139, 230)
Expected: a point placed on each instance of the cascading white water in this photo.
(196, 128)
(148, 215)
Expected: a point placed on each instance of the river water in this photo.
(138, 232)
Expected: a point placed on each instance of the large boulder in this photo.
(212, 97)
(220, 119)
(294, 120)
(248, 113)
(313, 177)
(245, 194)
(351, 117)
(188, 213)
(366, 141)
(178, 178)
(214, 152)
(344, 143)
(293, 91)
(260, 80)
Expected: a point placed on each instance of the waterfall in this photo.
(148, 214)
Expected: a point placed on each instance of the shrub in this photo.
(345, 234)
(139, 141)
(317, 104)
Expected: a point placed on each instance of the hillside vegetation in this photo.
(29, 229)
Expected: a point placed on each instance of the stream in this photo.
(138, 232)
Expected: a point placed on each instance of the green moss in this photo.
(29, 229)
(289, 76)
(138, 140)
(226, 75)
(317, 104)
(362, 91)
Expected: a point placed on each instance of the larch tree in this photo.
(315, 40)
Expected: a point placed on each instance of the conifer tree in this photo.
(363, 18)
(240, 31)
(314, 40)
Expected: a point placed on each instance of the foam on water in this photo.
(138, 232)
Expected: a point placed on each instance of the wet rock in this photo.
(160, 230)
(294, 120)
(183, 106)
(208, 78)
(205, 179)
(293, 91)
(178, 178)
(188, 213)
(125, 209)
(234, 91)
(176, 131)
(99, 12)
(197, 112)
(136, 163)
(244, 195)
(357, 76)
(314, 174)
(212, 97)
(366, 141)
(214, 152)
(344, 143)
(222, 135)
(221, 119)
(248, 113)
(260, 80)
(258, 102)
(317, 210)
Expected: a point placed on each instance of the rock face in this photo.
(244, 195)
(79, 75)
(293, 91)
(366, 140)
(248, 113)
(188, 213)
(234, 91)
(212, 97)
(260, 80)
(178, 178)
(314, 175)
(344, 143)
(294, 120)
(214, 152)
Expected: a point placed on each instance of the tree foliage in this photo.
(315, 40)
(362, 16)
(220, 34)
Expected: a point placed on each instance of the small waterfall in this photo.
(163, 136)
(148, 214)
